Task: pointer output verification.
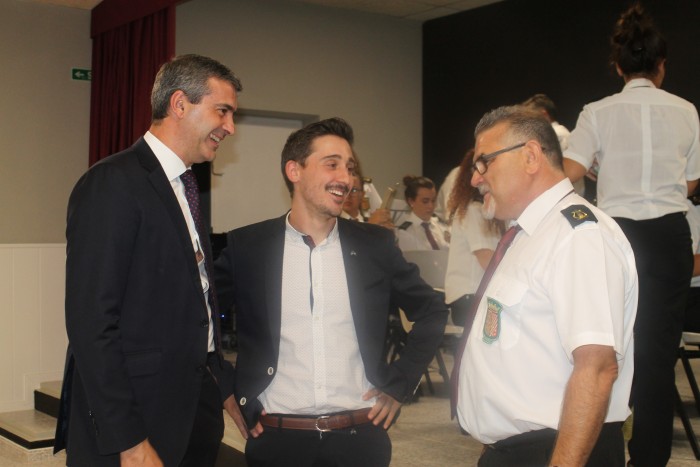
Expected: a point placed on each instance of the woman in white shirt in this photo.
(421, 230)
(647, 144)
(473, 241)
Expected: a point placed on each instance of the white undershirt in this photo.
(174, 167)
(320, 370)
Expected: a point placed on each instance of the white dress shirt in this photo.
(647, 144)
(469, 234)
(412, 236)
(174, 167)
(320, 369)
(558, 287)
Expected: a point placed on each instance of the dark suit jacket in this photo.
(135, 315)
(249, 274)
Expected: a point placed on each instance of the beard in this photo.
(488, 208)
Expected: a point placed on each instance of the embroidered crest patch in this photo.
(492, 324)
(577, 214)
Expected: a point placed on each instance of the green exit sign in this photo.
(81, 74)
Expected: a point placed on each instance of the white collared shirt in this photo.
(647, 143)
(558, 287)
(413, 237)
(346, 215)
(320, 369)
(174, 167)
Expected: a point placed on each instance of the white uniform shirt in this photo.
(319, 370)
(347, 216)
(469, 234)
(413, 237)
(557, 288)
(647, 144)
(174, 167)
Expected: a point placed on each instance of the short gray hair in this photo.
(524, 124)
(189, 74)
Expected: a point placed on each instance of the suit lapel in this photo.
(273, 264)
(161, 184)
(352, 260)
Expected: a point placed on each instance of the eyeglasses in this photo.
(481, 164)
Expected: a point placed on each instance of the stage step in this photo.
(27, 436)
(47, 398)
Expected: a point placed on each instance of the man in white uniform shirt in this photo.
(546, 374)
(312, 293)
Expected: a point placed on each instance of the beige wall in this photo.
(291, 57)
(294, 57)
(44, 117)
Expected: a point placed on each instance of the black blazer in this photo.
(249, 275)
(135, 315)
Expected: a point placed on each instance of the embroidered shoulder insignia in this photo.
(578, 214)
(405, 225)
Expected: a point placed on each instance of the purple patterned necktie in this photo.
(498, 254)
(192, 194)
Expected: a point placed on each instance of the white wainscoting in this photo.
(33, 337)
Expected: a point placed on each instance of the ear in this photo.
(178, 102)
(293, 171)
(619, 71)
(534, 157)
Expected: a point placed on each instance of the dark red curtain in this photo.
(125, 60)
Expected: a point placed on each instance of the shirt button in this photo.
(200, 369)
(204, 323)
(243, 401)
(270, 371)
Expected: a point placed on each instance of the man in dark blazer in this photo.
(312, 294)
(143, 362)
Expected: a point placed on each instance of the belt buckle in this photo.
(318, 428)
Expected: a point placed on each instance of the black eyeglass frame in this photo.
(482, 162)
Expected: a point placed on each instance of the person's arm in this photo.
(574, 170)
(141, 455)
(585, 404)
(234, 411)
(696, 265)
(384, 409)
(483, 257)
(692, 185)
(103, 222)
(425, 308)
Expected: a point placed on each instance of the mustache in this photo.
(338, 187)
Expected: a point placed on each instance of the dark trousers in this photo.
(364, 445)
(663, 253)
(534, 449)
(208, 426)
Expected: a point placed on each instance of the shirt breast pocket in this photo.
(502, 321)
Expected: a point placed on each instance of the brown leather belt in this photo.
(321, 423)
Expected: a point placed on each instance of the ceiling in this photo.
(418, 10)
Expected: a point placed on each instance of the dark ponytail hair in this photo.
(413, 183)
(637, 45)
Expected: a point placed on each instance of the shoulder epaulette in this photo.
(578, 214)
(405, 225)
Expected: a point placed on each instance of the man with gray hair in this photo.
(145, 380)
(544, 375)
